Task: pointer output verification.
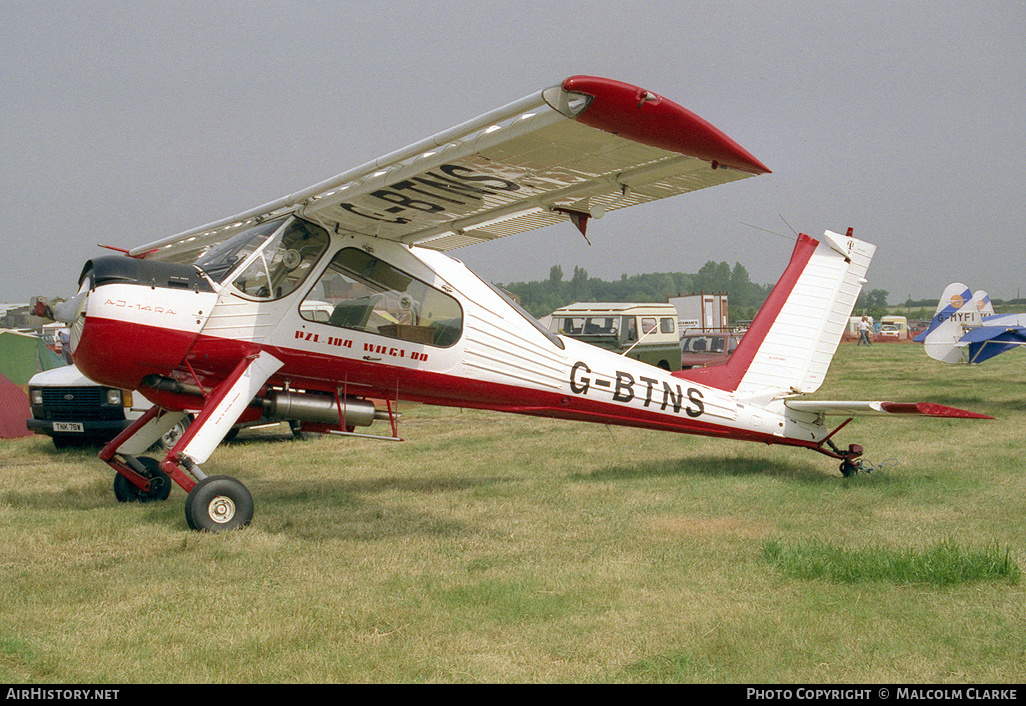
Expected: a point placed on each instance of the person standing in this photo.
(864, 328)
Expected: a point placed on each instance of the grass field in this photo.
(497, 548)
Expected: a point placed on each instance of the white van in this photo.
(75, 411)
(645, 332)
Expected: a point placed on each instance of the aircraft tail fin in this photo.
(957, 311)
(788, 348)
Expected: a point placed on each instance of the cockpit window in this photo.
(220, 260)
(279, 254)
(361, 292)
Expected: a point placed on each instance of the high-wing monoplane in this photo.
(335, 304)
(965, 329)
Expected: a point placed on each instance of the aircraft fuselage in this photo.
(378, 320)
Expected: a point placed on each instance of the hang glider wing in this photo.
(569, 152)
(856, 408)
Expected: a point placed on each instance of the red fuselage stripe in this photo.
(215, 358)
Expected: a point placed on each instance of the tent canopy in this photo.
(22, 355)
(14, 410)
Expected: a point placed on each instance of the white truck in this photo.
(645, 332)
(74, 411)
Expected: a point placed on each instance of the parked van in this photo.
(73, 410)
(645, 332)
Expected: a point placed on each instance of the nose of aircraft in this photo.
(135, 318)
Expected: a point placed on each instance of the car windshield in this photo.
(701, 344)
(586, 325)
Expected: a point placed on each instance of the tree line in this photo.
(543, 297)
(744, 296)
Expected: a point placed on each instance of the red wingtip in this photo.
(648, 118)
(930, 409)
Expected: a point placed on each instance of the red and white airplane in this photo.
(334, 304)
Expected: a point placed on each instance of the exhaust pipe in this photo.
(322, 409)
(286, 404)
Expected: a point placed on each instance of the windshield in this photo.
(278, 254)
(586, 325)
(222, 259)
(702, 344)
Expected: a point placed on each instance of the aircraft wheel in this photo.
(218, 503)
(172, 435)
(850, 467)
(160, 484)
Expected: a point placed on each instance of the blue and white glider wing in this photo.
(997, 334)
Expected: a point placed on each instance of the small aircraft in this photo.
(965, 328)
(335, 304)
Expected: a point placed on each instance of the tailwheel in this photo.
(160, 484)
(218, 503)
(850, 466)
(851, 460)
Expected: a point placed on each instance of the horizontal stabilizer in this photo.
(856, 408)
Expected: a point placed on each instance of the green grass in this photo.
(497, 548)
(943, 564)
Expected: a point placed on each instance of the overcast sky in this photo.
(126, 122)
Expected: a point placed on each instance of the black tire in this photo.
(849, 468)
(218, 503)
(160, 484)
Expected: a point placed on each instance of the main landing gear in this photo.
(214, 503)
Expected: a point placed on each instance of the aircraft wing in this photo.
(854, 408)
(987, 341)
(572, 151)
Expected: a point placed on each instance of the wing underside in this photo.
(576, 150)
